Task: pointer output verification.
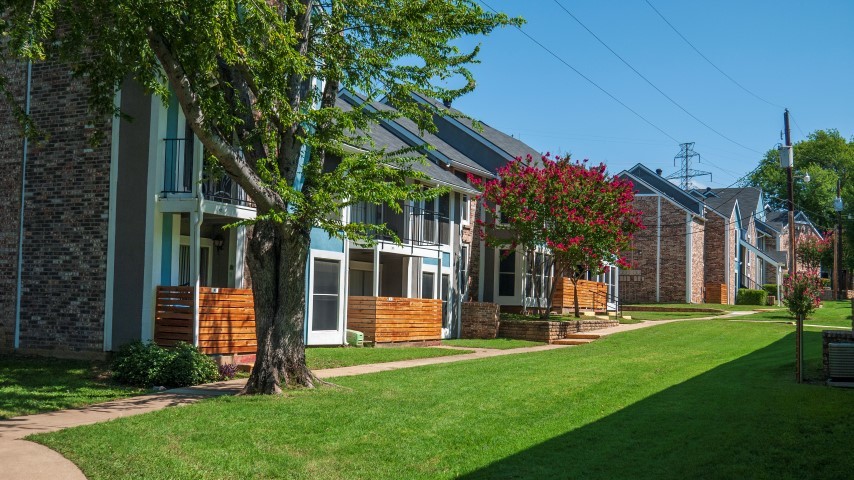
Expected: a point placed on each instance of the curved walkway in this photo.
(24, 460)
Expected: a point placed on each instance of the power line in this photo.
(585, 77)
(668, 97)
(709, 61)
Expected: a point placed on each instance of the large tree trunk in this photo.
(277, 263)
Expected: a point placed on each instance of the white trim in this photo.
(204, 242)
(518, 278)
(111, 227)
(326, 337)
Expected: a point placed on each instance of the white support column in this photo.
(195, 254)
(376, 270)
(437, 279)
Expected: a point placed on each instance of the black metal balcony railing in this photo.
(425, 227)
(178, 176)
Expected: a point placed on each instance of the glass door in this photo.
(324, 319)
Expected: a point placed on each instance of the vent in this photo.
(840, 357)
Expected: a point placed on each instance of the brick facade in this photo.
(65, 224)
(638, 283)
(479, 320)
(11, 151)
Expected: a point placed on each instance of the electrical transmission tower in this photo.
(686, 173)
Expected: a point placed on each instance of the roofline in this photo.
(660, 194)
(702, 210)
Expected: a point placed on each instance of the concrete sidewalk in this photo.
(25, 460)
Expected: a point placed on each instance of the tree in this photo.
(813, 252)
(257, 81)
(828, 157)
(582, 215)
(802, 294)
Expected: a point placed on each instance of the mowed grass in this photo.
(498, 343)
(652, 316)
(711, 305)
(703, 399)
(31, 385)
(334, 357)
(831, 314)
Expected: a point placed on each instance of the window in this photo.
(465, 208)
(507, 273)
(539, 266)
(427, 284)
(204, 265)
(444, 220)
(324, 311)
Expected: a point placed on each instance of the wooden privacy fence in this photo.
(390, 319)
(716, 293)
(226, 319)
(591, 296)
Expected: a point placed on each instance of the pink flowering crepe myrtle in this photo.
(584, 216)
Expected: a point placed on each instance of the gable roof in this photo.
(382, 137)
(664, 187)
(779, 219)
(749, 199)
(510, 146)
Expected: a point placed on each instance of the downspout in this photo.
(658, 254)
(19, 282)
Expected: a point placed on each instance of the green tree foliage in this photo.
(257, 81)
(827, 156)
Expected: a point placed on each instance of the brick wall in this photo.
(637, 283)
(715, 248)
(471, 237)
(11, 147)
(479, 320)
(66, 217)
(546, 331)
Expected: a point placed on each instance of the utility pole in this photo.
(837, 243)
(685, 172)
(788, 159)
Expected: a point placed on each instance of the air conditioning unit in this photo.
(840, 359)
(357, 339)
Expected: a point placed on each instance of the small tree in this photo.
(581, 214)
(802, 294)
(813, 252)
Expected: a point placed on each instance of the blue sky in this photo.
(795, 54)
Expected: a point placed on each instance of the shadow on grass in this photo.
(37, 384)
(744, 419)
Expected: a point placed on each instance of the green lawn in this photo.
(34, 384)
(832, 314)
(319, 358)
(708, 305)
(704, 399)
(499, 343)
(666, 315)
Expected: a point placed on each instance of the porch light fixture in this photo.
(218, 242)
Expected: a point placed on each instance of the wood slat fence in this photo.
(226, 319)
(716, 293)
(591, 296)
(391, 319)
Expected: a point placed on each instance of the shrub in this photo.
(771, 288)
(747, 296)
(147, 364)
(227, 371)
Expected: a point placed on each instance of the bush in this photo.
(227, 371)
(802, 294)
(747, 296)
(771, 288)
(147, 364)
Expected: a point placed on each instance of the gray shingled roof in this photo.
(666, 188)
(383, 138)
(748, 200)
(507, 143)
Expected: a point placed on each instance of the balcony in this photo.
(412, 225)
(178, 176)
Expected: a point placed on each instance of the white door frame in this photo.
(326, 337)
(203, 243)
(437, 287)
